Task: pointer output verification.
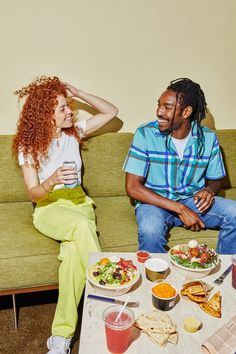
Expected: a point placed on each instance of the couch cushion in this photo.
(228, 193)
(179, 235)
(116, 224)
(118, 230)
(27, 257)
(228, 147)
(11, 181)
(103, 158)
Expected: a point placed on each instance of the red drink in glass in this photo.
(234, 271)
(118, 333)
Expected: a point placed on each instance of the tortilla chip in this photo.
(196, 298)
(213, 306)
(195, 287)
(206, 287)
(196, 291)
(215, 302)
(183, 292)
(192, 283)
(205, 307)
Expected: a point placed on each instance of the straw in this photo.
(122, 309)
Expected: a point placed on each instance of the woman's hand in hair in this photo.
(71, 91)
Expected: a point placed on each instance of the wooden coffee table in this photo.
(92, 337)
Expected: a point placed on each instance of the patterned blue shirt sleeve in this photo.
(215, 169)
(137, 160)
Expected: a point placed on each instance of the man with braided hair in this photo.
(174, 169)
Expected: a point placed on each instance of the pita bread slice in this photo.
(213, 306)
(173, 338)
(159, 315)
(158, 338)
(156, 326)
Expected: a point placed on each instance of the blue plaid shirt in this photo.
(153, 155)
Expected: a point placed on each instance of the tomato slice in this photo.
(177, 252)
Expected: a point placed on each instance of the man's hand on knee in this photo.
(204, 199)
(190, 219)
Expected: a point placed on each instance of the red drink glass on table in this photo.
(118, 333)
(234, 271)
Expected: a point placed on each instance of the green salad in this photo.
(113, 273)
(193, 255)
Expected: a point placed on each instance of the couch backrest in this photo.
(227, 139)
(103, 157)
(11, 182)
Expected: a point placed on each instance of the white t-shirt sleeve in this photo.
(22, 161)
(82, 125)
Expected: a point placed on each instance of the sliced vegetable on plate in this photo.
(194, 255)
(113, 273)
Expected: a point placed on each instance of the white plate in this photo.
(112, 290)
(193, 273)
(189, 272)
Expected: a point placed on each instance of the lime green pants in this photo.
(73, 225)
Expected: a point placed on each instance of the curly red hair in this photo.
(36, 127)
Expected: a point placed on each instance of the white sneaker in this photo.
(58, 345)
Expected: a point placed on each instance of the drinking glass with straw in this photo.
(122, 309)
(118, 323)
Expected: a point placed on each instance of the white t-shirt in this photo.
(180, 144)
(64, 148)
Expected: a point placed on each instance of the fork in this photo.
(115, 301)
(219, 280)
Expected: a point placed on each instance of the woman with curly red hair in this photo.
(46, 138)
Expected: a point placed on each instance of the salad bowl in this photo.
(193, 260)
(113, 277)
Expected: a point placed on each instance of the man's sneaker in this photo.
(58, 345)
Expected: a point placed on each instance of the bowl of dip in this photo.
(142, 256)
(164, 296)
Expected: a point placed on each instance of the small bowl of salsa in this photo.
(143, 255)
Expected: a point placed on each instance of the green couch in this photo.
(28, 259)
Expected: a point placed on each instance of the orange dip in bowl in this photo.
(164, 291)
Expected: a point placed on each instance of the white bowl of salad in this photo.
(193, 260)
(113, 277)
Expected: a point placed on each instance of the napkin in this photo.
(223, 341)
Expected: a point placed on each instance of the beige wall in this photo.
(126, 51)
